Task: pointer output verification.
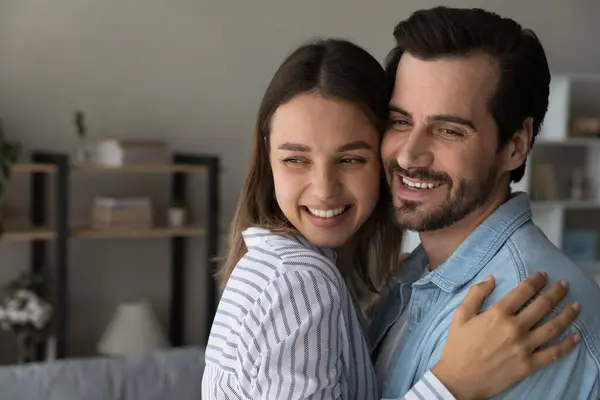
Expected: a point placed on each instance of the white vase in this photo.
(176, 217)
(82, 152)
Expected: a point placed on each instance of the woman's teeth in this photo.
(420, 184)
(326, 213)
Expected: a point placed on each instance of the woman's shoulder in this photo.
(278, 254)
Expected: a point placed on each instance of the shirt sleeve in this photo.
(299, 342)
(429, 388)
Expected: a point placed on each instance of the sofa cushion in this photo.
(170, 374)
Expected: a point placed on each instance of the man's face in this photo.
(441, 150)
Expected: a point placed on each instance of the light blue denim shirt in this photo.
(509, 246)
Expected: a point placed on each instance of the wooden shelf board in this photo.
(158, 232)
(45, 168)
(141, 169)
(570, 204)
(27, 234)
(570, 141)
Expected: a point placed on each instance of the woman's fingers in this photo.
(553, 328)
(542, 305)
(487, 352)
(472, 302)
(519, 296)
(553, 353)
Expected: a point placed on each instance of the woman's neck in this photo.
(346, 255)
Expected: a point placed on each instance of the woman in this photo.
(313, 209)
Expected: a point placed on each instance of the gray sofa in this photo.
(173, 374)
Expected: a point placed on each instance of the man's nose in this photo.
(415, 152)
(325, 182)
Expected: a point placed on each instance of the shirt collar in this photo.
(476, 250)
(256, 236)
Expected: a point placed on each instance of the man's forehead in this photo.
(450, 80)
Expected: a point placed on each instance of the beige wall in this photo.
(192, 72)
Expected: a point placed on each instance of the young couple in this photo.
(452, 120)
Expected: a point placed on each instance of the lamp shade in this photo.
(132, 330)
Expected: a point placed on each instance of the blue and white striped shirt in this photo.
(286, 328)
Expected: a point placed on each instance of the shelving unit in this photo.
(570, 96)
(143, 169)
(32, 233)
(155, 232)
(40, 235)
(44, 170)
(28, 234)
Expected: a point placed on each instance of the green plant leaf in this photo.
(6, 170)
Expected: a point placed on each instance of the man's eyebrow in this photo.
(358, 145)
(400, 110)
(294, 147)
(453, 119)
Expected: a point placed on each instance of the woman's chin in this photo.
(327, 239)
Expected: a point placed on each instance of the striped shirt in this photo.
(286, 328)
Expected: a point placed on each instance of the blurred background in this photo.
(147, 80)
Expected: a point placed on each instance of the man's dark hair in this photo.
(524, 84)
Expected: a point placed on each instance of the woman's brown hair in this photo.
(334, 69)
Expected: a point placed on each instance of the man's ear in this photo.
(519, 145)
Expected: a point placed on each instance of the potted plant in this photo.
(177, 214)
(25, 311)
(9, 154)
(81, 156)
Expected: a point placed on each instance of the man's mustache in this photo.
(423, 174)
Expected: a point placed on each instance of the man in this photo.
(470, 92)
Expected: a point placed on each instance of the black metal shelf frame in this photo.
(39, 248)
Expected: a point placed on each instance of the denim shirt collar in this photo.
(463, 265)
(481, 245)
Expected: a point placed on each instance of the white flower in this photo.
(39, 312)
(17, 316)
(13, 304)
(25, 307)
(23, 294)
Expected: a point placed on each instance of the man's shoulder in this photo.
(529, 250)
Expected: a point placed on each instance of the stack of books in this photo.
(122, 213)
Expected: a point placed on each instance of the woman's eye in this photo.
(293, 161)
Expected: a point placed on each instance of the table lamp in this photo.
(133, 330)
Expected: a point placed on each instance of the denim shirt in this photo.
(509, 246)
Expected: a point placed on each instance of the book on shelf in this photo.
(122, 213)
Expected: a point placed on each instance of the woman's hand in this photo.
(488, 352)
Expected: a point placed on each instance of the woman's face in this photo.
(326, 167)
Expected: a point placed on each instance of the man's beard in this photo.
(469, 195)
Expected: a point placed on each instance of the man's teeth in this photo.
(326, 213)
(420, 185)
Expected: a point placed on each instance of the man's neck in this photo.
(439, 245)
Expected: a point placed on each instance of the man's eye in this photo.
(352, 160)
(399, 124)
(450, 132)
